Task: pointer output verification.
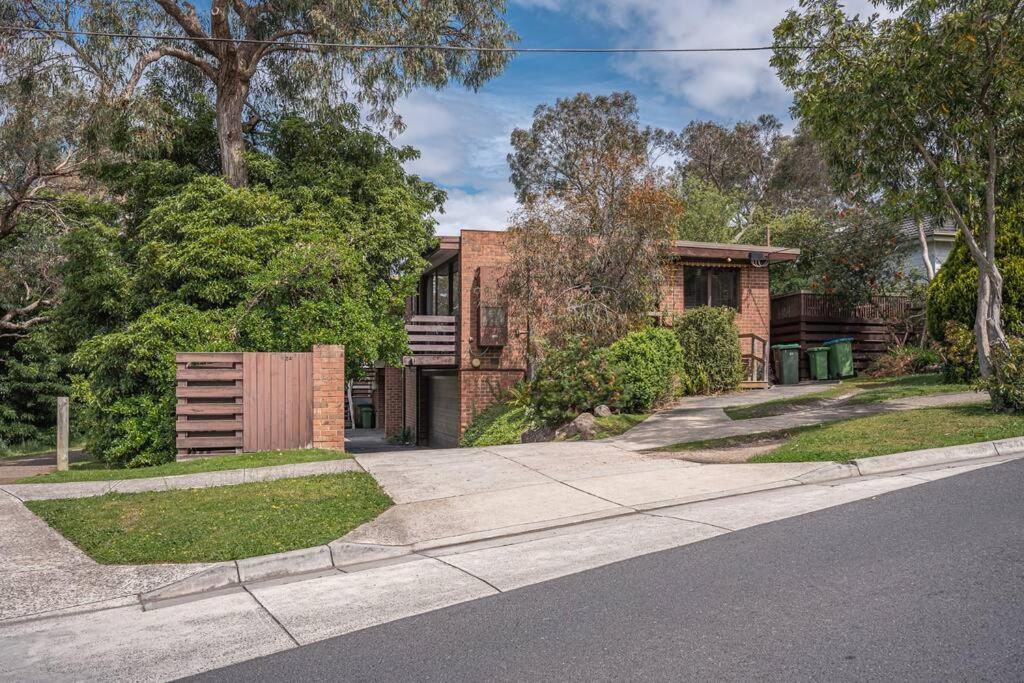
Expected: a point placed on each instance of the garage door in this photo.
(443, 411)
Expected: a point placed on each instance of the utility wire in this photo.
(402, 46)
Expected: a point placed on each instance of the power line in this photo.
(401, 46)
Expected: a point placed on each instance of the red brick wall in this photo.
(329, 397)
(755, 304)
(496, 369)
(479, 389)
(484, 248)
(755, 307)
(394, 399)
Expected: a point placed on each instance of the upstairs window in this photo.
(439, 290)
(711, 287)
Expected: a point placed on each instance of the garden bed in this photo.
(216, 524)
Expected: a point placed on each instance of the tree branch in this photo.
(159, 53)
(189, 21)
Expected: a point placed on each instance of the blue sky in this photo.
(464, 136)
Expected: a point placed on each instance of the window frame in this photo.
(705, 279)
(427, 294)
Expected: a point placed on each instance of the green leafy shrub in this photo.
(125, 382)
(1006, 384)
(572, 379)
(647, 364)
(952, 295)
(710, 343)
(502, 423)
(959, 354)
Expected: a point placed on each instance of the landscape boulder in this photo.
(537, 435)
(584, 426)
(602, 411)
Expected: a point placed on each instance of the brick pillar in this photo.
(394, 401)
(329, 397)
(411, 399)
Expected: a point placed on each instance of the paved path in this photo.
(41, 571)
(201, 480)
(919, 584)
(449, 496)
(181, 639)
(699, 420)
(13, 469)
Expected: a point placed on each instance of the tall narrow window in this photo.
(443, 291)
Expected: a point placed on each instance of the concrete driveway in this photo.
(450, 496)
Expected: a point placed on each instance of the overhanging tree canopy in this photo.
(251, 52)
(924, 109)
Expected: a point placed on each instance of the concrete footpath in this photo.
(177, 637)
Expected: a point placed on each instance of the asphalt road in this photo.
(926, 583)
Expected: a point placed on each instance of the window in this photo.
(711, 287)
(439, 291)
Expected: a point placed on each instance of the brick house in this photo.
(465, 352)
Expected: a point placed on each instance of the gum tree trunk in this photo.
(232, 92)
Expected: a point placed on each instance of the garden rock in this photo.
(602, 411)
(537, 435)
(584, 426)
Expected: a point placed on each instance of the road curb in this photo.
(338, 555)
(930, 457)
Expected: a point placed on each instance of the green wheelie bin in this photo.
(840, 357)
(817, 362)
(366, 416)
(787, 364)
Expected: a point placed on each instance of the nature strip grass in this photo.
(216, 524)
(883, 434)
(896, 432)
(95, 471)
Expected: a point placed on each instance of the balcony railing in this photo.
(431, 340)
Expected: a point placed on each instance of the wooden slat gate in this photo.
(278, 401)
(234, 402)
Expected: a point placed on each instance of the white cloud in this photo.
(463, 139)
(728, 85)
(486, 210)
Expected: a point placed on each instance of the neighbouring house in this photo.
(466, 351)
(927, 257)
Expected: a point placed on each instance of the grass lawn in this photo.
(216, 524)
(616, 424)
(96, 471)
(863, 437)
(868, 391)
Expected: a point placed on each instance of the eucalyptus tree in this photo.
(253, 54)
(923, 108)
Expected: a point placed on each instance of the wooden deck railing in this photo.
(431, 340)
(755, 357)
(818, 307)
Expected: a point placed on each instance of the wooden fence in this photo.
(810, 319)
(245, 402)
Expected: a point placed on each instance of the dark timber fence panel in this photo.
(811, 319)
(210, 410)
(235, 402)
